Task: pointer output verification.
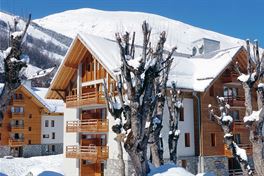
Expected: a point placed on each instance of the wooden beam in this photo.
(71, 66)
(62, 97)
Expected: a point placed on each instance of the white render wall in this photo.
(186, 126)
(70, 165)
(57, 129)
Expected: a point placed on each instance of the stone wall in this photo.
(31, 150)
(41, 150)
(4, 151)
(216, 164)
(191, 163)
(112, 167)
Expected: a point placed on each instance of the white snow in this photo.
(168, 170)
(228, 135)
(107, 23)
(177, 132)
(221, 98)
(244, 78)
(227, 118)
(43, 164)
(147, 124)
(241, 152)
(24, 58)
(40, 73)
(261, 85)
(252, 117)
(17, 34)
(117, 121)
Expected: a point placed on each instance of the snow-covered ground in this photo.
(41, 166)
(52, 166)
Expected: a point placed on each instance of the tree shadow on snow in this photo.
(2, 174)
(49, 173)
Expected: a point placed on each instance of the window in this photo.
(230, 91)
(18, 96)
(183, 163)
(181, 114)
(47, 148)
(0, 136)
(30, 116)
(29, 142)
(213, 139)
(187, 139)
(29, 128)
(52, 123)
(237, 138)
(45, 136)
(53, 135)
(46, 123)
(53, 148)
(235, 115)
(17, 109)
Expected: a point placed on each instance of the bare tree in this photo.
(13, 65)
(254, 119)
(226, 121)
(141, 91)
(175, 105)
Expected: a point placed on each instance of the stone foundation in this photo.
(41, 150)
(216, 164)
(112, 167)
(4, 151)
(191, 163)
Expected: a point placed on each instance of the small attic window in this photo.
(194, 51)
(201, 49)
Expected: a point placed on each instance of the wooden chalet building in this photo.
(32, 125)
(89, 146)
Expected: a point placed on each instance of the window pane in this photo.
(46, 123)
(187, 139)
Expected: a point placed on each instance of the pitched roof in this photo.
(194, 73)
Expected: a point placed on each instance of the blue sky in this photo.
(238, 18)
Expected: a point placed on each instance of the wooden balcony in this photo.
(238, 126)
(92, 153)
(17, 128)
(15, 142)
(235, 101)
(228, 78)
(17, 115)
(247, 147)
(18, 102)
(91, 125)
(86, 99)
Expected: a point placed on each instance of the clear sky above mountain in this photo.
(238, 18)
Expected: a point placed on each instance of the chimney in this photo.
(204, 46)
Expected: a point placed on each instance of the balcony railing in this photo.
(92, 153)
(18, 101)
(238, 126)
(247, 147)
(17, 128)
(16, 142)
(91, 98)
(17, 115)
(235, 101)
(91, 125)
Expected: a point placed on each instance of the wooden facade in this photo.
(227, 86)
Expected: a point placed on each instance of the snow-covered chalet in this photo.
(89, 145)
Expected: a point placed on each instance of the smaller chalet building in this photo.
(32, 125)
(89, 145)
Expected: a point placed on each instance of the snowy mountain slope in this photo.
(44, 47)
(106, 24)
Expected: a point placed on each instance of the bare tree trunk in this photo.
(12, 66)
(225, 121)
(255, 124)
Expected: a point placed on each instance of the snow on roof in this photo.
(40, 73)
(51, 105)
(195, 73)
